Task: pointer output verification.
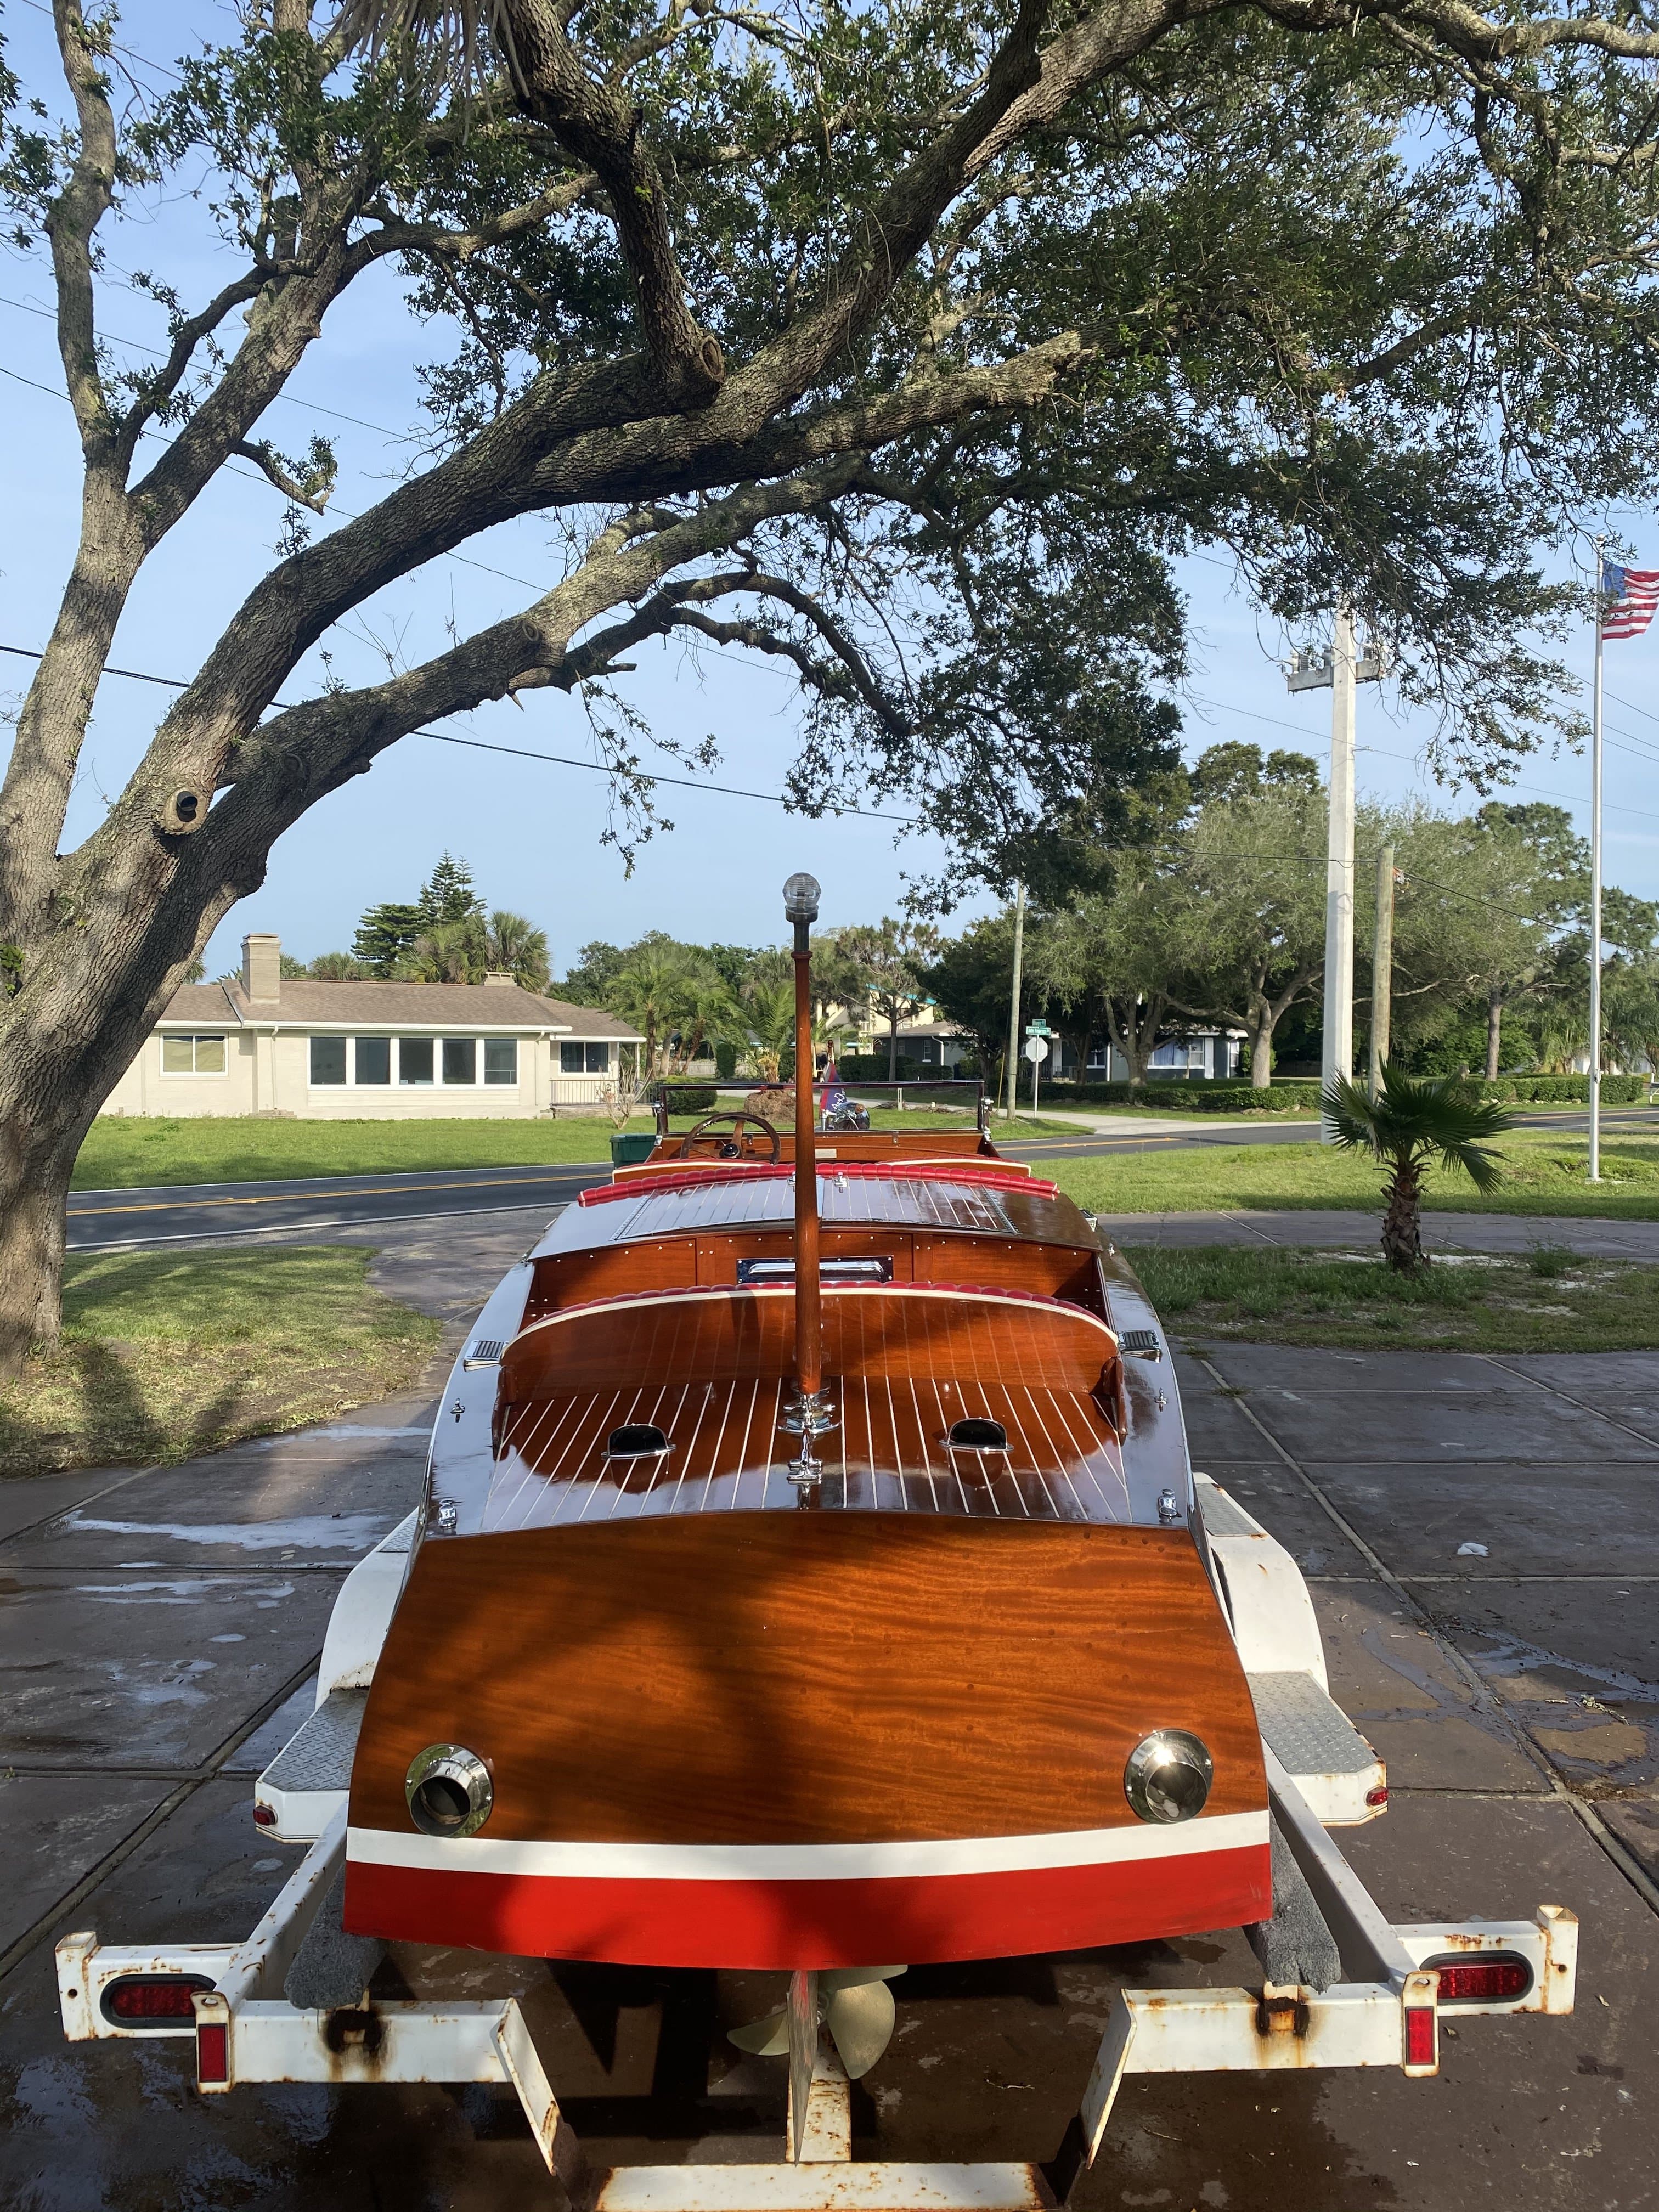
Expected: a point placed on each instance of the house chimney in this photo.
(261, 968)
(500, 976)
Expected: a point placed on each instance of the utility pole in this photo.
(1595, 891)
(1341, 669)
(1382, 969)
(1014, 1004)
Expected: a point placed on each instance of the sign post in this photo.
(1037, 1051)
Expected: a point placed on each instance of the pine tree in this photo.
(449, 895)
(384, 936)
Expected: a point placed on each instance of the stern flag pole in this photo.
(811, 1414)
(1595, 887)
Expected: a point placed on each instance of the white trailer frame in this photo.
(1384, 2012)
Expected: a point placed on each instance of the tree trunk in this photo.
(1261, 1055)
(32, 1201)
(892, 1043)
(1403, 1222)
(1494, 1033)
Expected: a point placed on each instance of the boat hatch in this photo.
(637, 1440)
(977, 1435)
(873, 1268)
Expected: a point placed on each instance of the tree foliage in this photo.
(907, 345)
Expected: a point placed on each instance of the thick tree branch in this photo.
(72, 219)
(601, 127)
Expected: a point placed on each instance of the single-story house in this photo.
(264, 1043)
(1201, 1056)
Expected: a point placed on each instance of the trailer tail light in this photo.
(1499, 1978)
(264, 1816)
(1375, 1799)
(212, 2052)
(1422, 2051)
(151, 2000)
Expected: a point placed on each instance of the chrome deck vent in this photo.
(483, 1352)
(1142, 1342)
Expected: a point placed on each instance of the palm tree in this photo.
(1410, 1125)
(651, 991)
(515, 946)
(447, 952)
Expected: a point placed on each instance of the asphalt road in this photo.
(1481, 1541)
(189, 1213)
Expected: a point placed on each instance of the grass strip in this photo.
(1547, 1300)
(1544, 1174)
(127, 1152)
(166, 1355)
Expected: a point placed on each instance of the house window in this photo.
(460, 1060)
(584, 1060)
(414, 1060)
(374, 1060)
(328, 1060)
(192, 1055)
(501, 1060)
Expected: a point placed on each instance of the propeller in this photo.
(858, 2010)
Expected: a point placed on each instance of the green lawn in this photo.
(126, 1153)
(122, 1153)
(167, 1355)
(1549, 1301)
(1544, 1174)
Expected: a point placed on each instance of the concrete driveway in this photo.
(158, 1629)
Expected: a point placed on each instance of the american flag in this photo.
(1629, 597)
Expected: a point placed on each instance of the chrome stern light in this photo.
(1168, 1775)
(449, 1791)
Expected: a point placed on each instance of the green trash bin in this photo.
(629, 1148)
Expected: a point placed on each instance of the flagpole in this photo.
(1595, 892)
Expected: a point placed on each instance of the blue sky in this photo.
(533, 834)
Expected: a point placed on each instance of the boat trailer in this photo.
(1385, 1987)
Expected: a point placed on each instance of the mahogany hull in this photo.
(808, 1739)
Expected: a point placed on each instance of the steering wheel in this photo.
(729, 1147)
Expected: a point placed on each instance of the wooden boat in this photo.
(810, 1574)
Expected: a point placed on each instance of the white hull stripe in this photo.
(971, 1855)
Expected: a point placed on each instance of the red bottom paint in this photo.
(785, 1924)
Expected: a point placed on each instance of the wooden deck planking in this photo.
(887, 1455)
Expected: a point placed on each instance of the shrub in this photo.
(871, 1068)
(685, 1098)
(1556, 1090)
(1195, 1097)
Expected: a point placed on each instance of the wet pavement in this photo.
(1481, 1538)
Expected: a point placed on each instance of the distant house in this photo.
(262, 1043)
(1201, 1055)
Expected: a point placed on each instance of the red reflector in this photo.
(213, 2052)
(1377, 1797)
(265, 1815)
(159, 2000)
(1419, 2035)
(1485, 1981)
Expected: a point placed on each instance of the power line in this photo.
(254, 476)
(523, 752)
(156, 353)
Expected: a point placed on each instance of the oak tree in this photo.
(904, 343)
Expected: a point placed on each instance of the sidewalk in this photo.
(1105, 1124)
(1360, 1231)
